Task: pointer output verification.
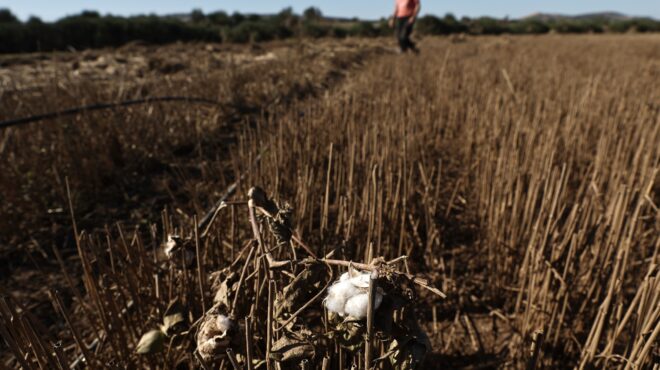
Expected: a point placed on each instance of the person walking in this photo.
(403, 20)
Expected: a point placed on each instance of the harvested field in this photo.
(519, 176)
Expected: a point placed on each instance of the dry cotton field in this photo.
(490, 203)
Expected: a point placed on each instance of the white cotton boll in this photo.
(344, 289)
(338, 293)
(335, 303)
(350, 290)
(361, 281)
(348, 296)
(357, 306)
(170, 245)
(223, 323)
(336, 289)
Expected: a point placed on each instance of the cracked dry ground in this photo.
(518, 174)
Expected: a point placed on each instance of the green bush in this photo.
(6, 16)
(646, 25)
(256, 31)
(314, 29)
(620, 26)
(432, 25)
(12, 38)
(338, 32)
(364, 29)
(312, 14)
(532, 26)
(569, 26)
(90, 29)
(487, 26)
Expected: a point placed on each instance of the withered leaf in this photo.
(292, 349)
(173, 323)
(408, 353)
(302, 288)
(224, 290)
(151, 342)
(349, 334)
(173, 318)
(280, 225)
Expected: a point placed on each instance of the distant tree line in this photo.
(92, 30)
(432, 25)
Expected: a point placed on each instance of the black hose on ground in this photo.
(101, 106)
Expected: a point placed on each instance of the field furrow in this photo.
(519, 176)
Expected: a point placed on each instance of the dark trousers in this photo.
(403, 30)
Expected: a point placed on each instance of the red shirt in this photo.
(406, 8)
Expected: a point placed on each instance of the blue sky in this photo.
(53, 9)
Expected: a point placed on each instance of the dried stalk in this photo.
(248, 343)
(369, 341)
(232, 359)
(269, 323)
(535, 350)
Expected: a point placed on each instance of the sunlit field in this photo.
(490, 203)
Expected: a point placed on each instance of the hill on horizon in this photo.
(609, 16)
(541, 16)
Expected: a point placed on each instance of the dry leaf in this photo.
(173, 318)
(151, 342)
(288, 348)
